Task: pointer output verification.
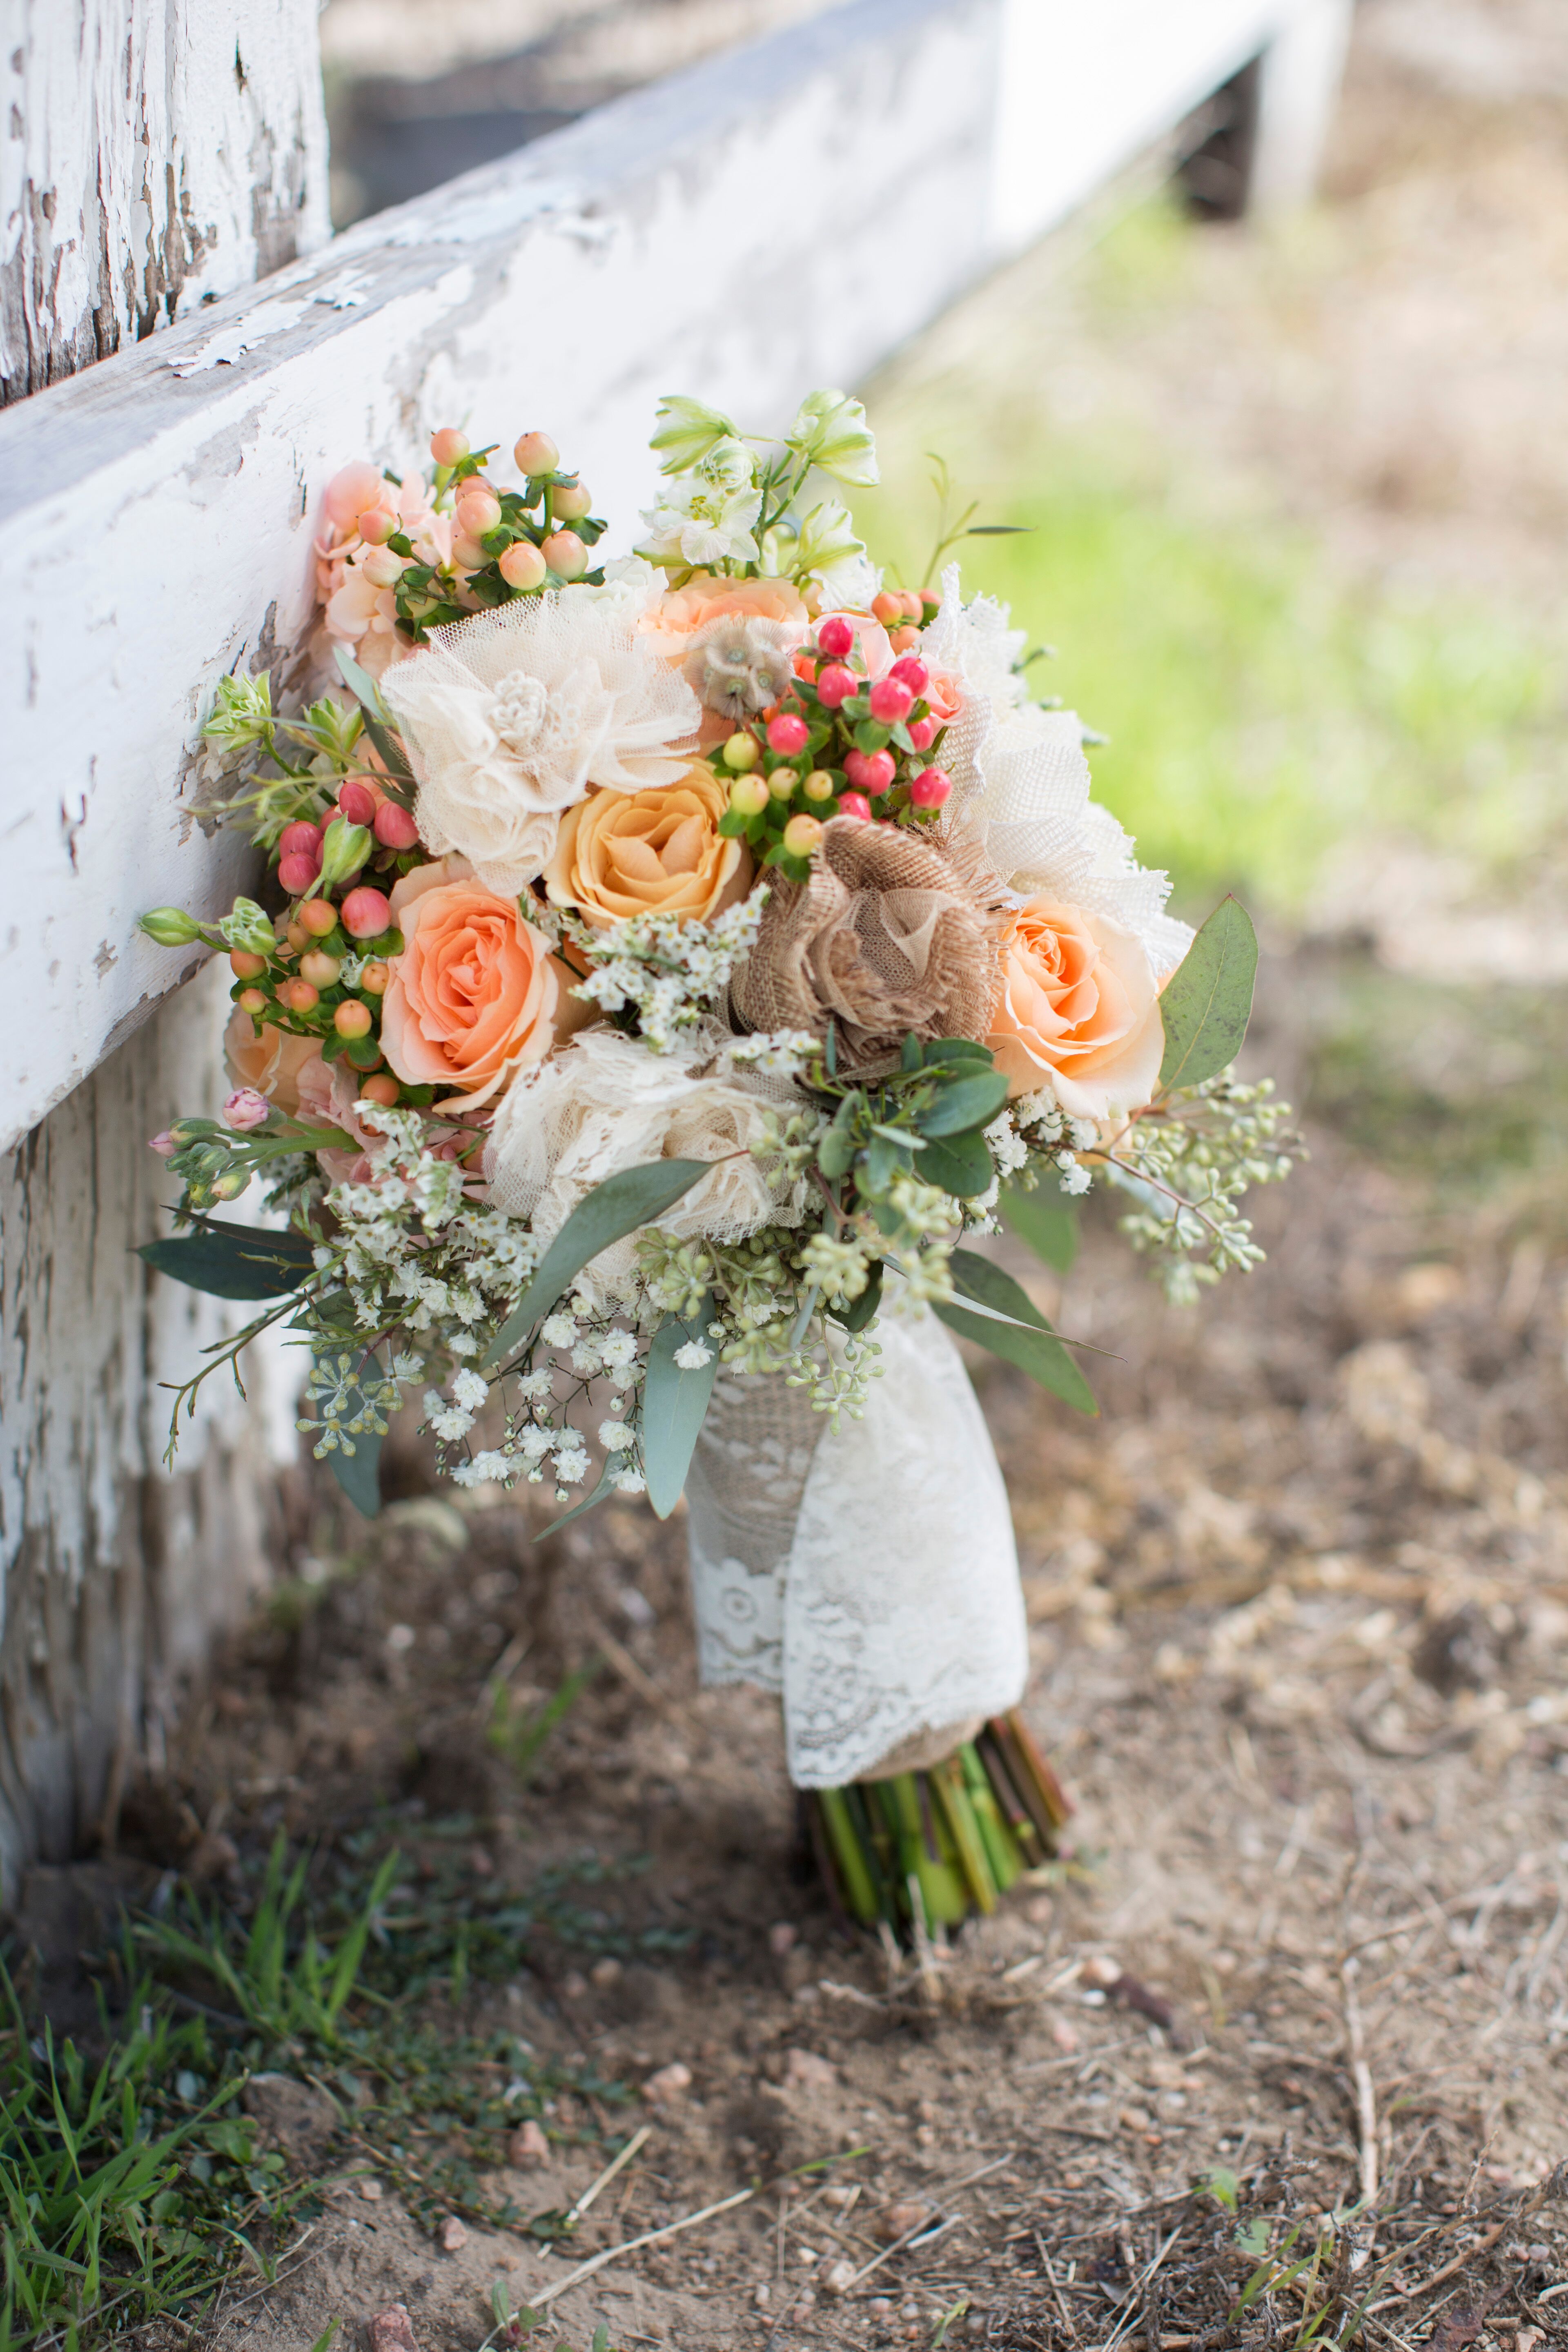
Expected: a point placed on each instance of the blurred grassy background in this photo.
(1272, 550)
(1265, 705)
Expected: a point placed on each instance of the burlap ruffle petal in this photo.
(888, 935)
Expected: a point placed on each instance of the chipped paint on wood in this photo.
(153, 154)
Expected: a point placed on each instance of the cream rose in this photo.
(605, 1104)
(654, 852)
(271, 1062)
(1079, 1011)
(473, 996)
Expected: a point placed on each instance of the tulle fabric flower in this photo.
(509, 717)
(1078, 1012)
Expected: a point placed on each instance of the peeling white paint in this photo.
(153, 153)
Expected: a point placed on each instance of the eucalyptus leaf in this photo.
(962, 1103)
(233, 1261)
(1206, 1003)
(358, 1473)
(606, 1488)
(378, 726)
(1027, 1339)
(674, 1405)
(1046, 1224)
(959, 1164)
(946, 1051)
(857, 1317)
(630, 1197)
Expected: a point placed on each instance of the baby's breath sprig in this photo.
(667, 973)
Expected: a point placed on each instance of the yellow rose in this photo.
(656, 852)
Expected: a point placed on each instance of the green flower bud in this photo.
(687, 432)
(345, 848)
(832, 431)
(230, 1184)
(170, 927)
(249, 927)
(242, 713)
(827, 537)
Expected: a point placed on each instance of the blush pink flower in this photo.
(1078, 1012)
(474, 993)
(244, 1109)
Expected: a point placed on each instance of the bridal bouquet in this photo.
(666, 969)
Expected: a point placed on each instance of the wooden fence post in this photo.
(155, 155)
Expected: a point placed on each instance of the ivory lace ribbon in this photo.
(871, 1578)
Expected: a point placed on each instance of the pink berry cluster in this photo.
(505, 543)
(840, 742)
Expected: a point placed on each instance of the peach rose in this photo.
(678, 615)
(271, 1062)
(474, 993)
(1079, 1011)
(658, 851)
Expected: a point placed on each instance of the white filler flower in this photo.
(510, 716)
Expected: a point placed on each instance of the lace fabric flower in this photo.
(510, 716)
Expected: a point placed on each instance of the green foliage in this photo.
(632, 1197)
(1047, 1225)
(1207, 1002)
(232, 1261)
(675, 1405)
(1027, 1339)
(1263, 704)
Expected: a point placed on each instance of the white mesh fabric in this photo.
(871, 1578)
(1021, 783)
(511, 715)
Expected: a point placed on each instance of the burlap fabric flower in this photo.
(888, 935)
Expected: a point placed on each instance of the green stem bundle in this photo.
(953, 1838)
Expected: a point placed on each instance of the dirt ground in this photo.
(1299, 1619)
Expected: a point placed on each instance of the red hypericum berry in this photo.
(357, 802)
(317, 917)
(930, 789)
(915, 675)
(297, 872)
(835, 636)
(891, 700)
(855, 805)
(300, 839)
(788, 734)
(922, 733)
(394, 828)
(869, 771)
(365, 913)
(836, 685)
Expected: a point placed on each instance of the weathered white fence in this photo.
(776, 218)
